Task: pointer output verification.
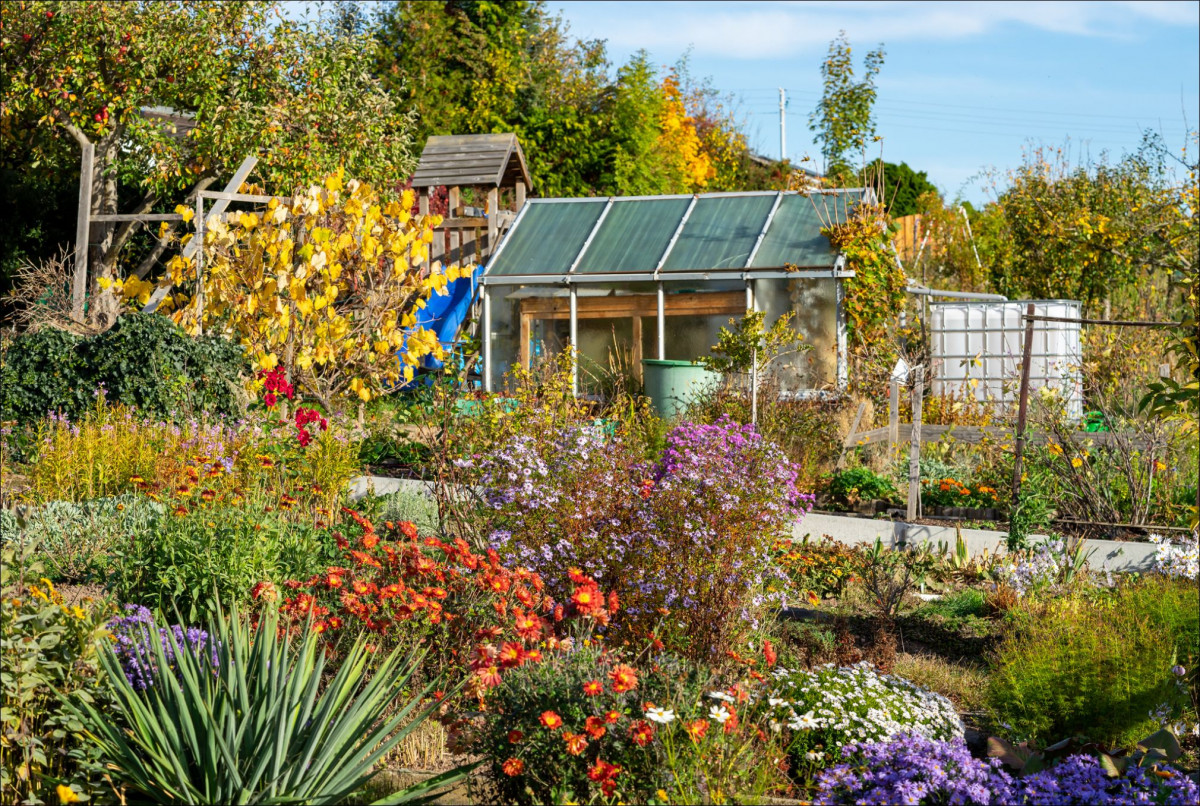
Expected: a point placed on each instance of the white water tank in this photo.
(976, 350)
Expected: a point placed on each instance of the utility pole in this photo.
(782, 128)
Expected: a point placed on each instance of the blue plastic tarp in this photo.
(445, 314)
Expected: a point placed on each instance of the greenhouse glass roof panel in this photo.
(548, 237)
(633, 236)
(794, 236)
(720, 232)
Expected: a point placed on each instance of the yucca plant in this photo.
(250, 721)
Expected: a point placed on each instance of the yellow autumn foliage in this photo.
(324, 284)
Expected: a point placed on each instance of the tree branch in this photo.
(166, 240)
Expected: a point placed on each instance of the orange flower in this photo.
(529, 626)
(612, 716)
(594, 726)
(511, 655)
(593, 687)
(697, 728)
(623, 678)
(515, 736)
(264, 590)
(769, 654)
(408, 529)
(813, 599)
(550, 720)
(533, 656)
(641, 733)
(576, 743)
(513, 767)
(370, 540)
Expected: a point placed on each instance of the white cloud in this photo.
(779, 30)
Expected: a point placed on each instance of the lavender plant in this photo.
(134, 639)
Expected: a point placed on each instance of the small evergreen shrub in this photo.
(145, 361)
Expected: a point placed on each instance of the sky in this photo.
(964, 86)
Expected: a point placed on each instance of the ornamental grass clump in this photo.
(271, 725)
(1095, 665)
(821, 710)
(685, 541)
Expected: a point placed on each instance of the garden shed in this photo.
(656, 277)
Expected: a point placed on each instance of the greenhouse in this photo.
(629, 279)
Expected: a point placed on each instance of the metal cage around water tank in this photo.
(976, 350)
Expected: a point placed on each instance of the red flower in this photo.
(612, 716)
(513, 767)
(550, 720)
(603, 771)
(594, 726)
(529, 626)
(264, 590)
(489, 676)
(370, 540)
(769, 654)
(593, 687)
(515, 736)
(697, 728)
(511, 655)
(641, 732)
(623, 678)
(269, 400)
(576, 743)
(613, 603)
(408, 529)
(588, 600)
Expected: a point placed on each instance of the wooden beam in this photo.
(493, 207)
(139, 217)
(628, 305)
(848, 442)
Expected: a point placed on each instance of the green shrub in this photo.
(49, 652)
(195, 555)
(847, 488)
(145, 361)
(403, 505)
(75, 541)
(257, 726)
(41, 372)
(1093, 666)
(967, 603)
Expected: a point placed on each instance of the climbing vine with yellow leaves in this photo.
(326, 284)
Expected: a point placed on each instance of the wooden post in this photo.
(1022, 404)
(199, 236)
(83, 231)
(493, 207)
(914, 446)
(849, 440)
(520, 194)
(523, 349)
(893, 416)
(423, 210)
(637, 346)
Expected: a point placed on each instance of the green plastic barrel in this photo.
(673, 385)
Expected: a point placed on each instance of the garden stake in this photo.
(1023, 404)
(914, 446)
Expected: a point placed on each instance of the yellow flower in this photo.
(66, 794)
(1076, 462)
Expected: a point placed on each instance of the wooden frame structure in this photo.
(624, 306)
(491, 161)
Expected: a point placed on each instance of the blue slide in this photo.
(445, 314)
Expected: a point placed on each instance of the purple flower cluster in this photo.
(707, 510)
(133, 636)
(911, 769)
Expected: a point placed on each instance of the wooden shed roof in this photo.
(494, 160)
